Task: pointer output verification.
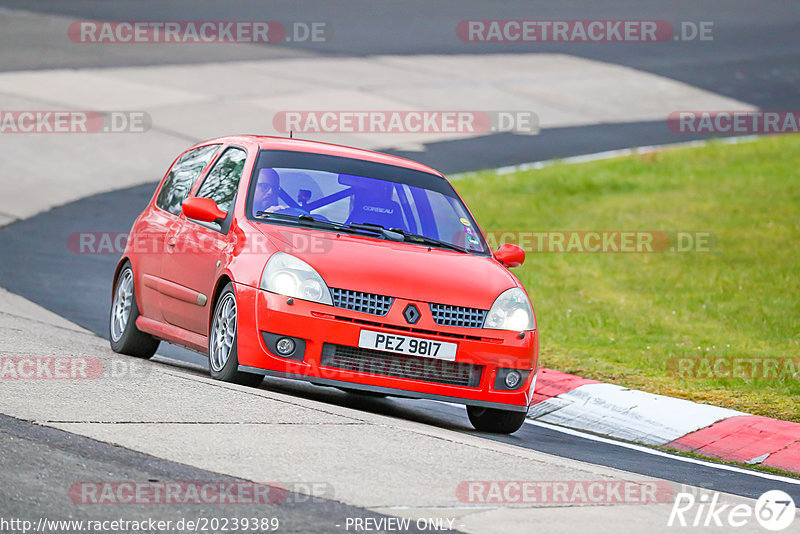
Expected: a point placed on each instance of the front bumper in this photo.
(322, 328)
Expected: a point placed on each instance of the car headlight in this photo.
(511, 311)
(290, 276)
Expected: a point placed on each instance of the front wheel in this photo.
(125, 338)
(494, 420)
(223, 359)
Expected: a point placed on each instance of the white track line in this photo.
(656, 452)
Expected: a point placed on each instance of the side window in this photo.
(222, 180)
(182, 177)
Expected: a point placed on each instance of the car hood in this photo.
(395, 269)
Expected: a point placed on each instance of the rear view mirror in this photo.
(510, 255)
(202, 209)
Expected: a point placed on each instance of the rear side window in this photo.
(182, 177)
(222, 180)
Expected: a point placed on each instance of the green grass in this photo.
(622, 318)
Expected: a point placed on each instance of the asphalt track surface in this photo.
(41, 268)
(27, 448)
(755, 58)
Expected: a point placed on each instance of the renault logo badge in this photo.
(412, 314)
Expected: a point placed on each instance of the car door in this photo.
(195, 249)
(153, 227)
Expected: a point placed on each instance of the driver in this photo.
(267, 197)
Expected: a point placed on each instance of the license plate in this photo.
(413, 346)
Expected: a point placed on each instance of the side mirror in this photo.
(510, 255)
(202, 209)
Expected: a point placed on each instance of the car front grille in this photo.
(446, 315)
(381, 363)
(361, 302)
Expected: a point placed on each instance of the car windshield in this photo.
(422, 208)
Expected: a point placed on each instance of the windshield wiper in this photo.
(353, 228)
(377, 228)
(395, 233)
(306, 219)
(428, 240)
(271, 215)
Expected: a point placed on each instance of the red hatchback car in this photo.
(334, 265)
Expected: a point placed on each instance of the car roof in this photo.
(315, 147)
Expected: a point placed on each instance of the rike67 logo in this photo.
(774, 510)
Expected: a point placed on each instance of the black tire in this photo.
(123, 335)
(226, 367)
(494, 420)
